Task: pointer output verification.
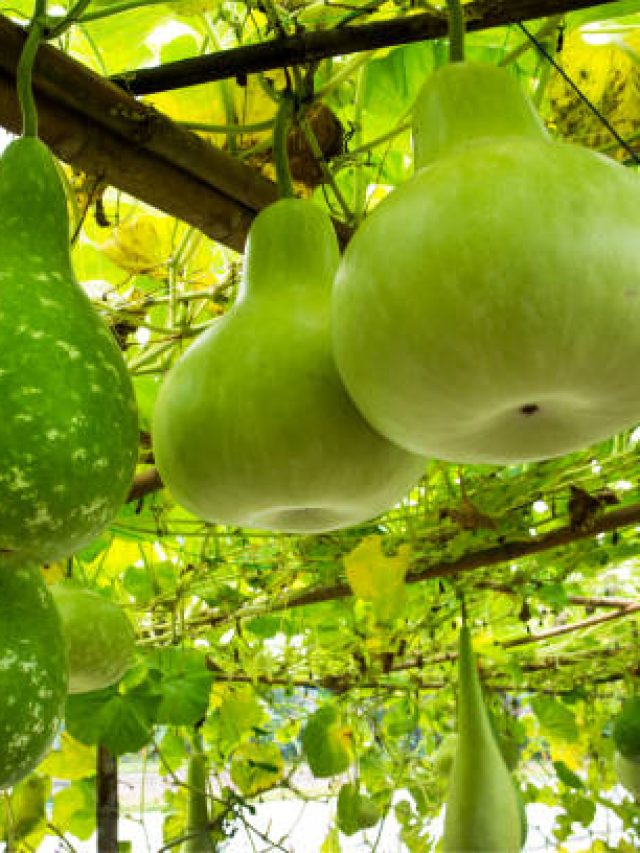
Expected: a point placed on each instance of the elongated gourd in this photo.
(33, 672)
(253, 426)
(483, 812)
(197, 829)
(68, 431)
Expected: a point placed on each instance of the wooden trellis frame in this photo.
(95, 126)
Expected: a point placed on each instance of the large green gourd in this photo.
(483, 813)
(33, 674)
(68, 431)
(488, 311)
(253, 426)
(99, 637)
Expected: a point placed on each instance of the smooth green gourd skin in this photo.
(628, 773)
(33, 673)
(99, 638)
(253, 426)
(483, 813)
(68, 431)
(199, 840)
(488, 311)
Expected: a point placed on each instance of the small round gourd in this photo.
(99, 638)
(33, 672)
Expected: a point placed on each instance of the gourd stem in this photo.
(284, 118)
(456, 31)
(25, 70)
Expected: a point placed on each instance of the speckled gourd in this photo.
(68, 430)
(33, 674)
(99, 637)
(483, 810)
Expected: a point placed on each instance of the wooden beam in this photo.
(94, 126)
(321, 44)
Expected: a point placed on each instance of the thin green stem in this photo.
(284, 118)
(359, 182)
(229, 129)
(24, 74)
(345, 71)
(55, 30)
(456, 31)
(329, 177)
(108, 11)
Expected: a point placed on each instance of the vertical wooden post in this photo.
(107, 801)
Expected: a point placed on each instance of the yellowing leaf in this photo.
(377, 578)
(570, 753)
(485, 644)
(53, 573)
(138, 245)
(72, 760)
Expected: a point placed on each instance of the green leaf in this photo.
(27, 807)
(326, 743)
(555, 718)
(185, 684)
(567, 776)
(74, 808)
(123, 722)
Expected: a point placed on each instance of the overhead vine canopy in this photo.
(162, 114)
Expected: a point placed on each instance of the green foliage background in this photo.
(257, 639)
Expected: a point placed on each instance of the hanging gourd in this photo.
(68, 432)
(483, 811)
(488, 311)
(98, 635)
(626, 737)
(33, 672)
(252, 425)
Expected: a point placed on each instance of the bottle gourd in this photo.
(253, 426)
(98, 635)
(33, 672)
(68, 432)
(488, 311)
(483, 811)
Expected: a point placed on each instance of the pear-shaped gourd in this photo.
(68, 431)
(253, 426)
(489, 309)
(33, 672)
(483, 812)
(99, 638)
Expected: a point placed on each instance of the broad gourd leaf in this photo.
(72, 760)
(74, 809)
(555, 718)
(256, 767)
(185, 684)
(27, 808)
(123, 722)
(239, 712)
(377, 578)
(326, 743)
